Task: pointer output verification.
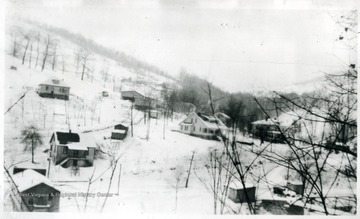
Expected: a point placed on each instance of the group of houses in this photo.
(33, 189)
(289, 124)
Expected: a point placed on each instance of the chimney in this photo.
(69, 130)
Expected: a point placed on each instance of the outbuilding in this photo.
(34, 193)
(118, 134)
(237, 192)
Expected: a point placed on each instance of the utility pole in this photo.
(119, 180)
(187, 179)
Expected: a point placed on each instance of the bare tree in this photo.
(15, 34)
(47, 42)
(31, 136)
(54, 55)
(38, 37)
(323, 122)
(240, 162)
(178, 175)
(27, 38)
(85, 59)
(219, 175)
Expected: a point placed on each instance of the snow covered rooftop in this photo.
(77, 146)
(238, 185)
(118, 131)
(266, 122)
(30, 165)
(30, 178)
(54, 82)
(88, 140)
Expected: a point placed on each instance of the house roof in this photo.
(266, 122)
(238, 185)
(126, 125)
(132, 93)
(88, 140)
(77, 146)
(30, 165)
(30, 178)
(55, 82)
(222, 115)
(66, 137)
(211, 122)
(118, 131)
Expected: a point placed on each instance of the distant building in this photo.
(67, 149)
(34, 193)
(204, 126)
(296, 186)
(141, 102)
(237, 192)
(105, 94)
(54, 88)
(119, 132)
(131, 95)
(267, 130)
(155, 114)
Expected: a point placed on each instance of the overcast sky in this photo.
(238, 45)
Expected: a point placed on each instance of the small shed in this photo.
(279, 190)
(237, 192)
(296, 186)
(155, 114)
(37, 193)
(118, 134)
(105, 94)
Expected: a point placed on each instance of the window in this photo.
(191, 121)
(199, 129)
(211, 131)
(65, 150)
(205, 130)
(46, 87)
(194, 128)
(62, 90)
(181, 127)
(186, 128)
(76, 153)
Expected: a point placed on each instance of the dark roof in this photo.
(121, 126)
(65, 137)
(131, 94)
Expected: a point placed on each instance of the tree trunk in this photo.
(83, 71)
(24, 55)
(32, 149)
(30, 56)
(132, 120)
(187, 179)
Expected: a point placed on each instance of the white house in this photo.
(203, 126)
(54, 88)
